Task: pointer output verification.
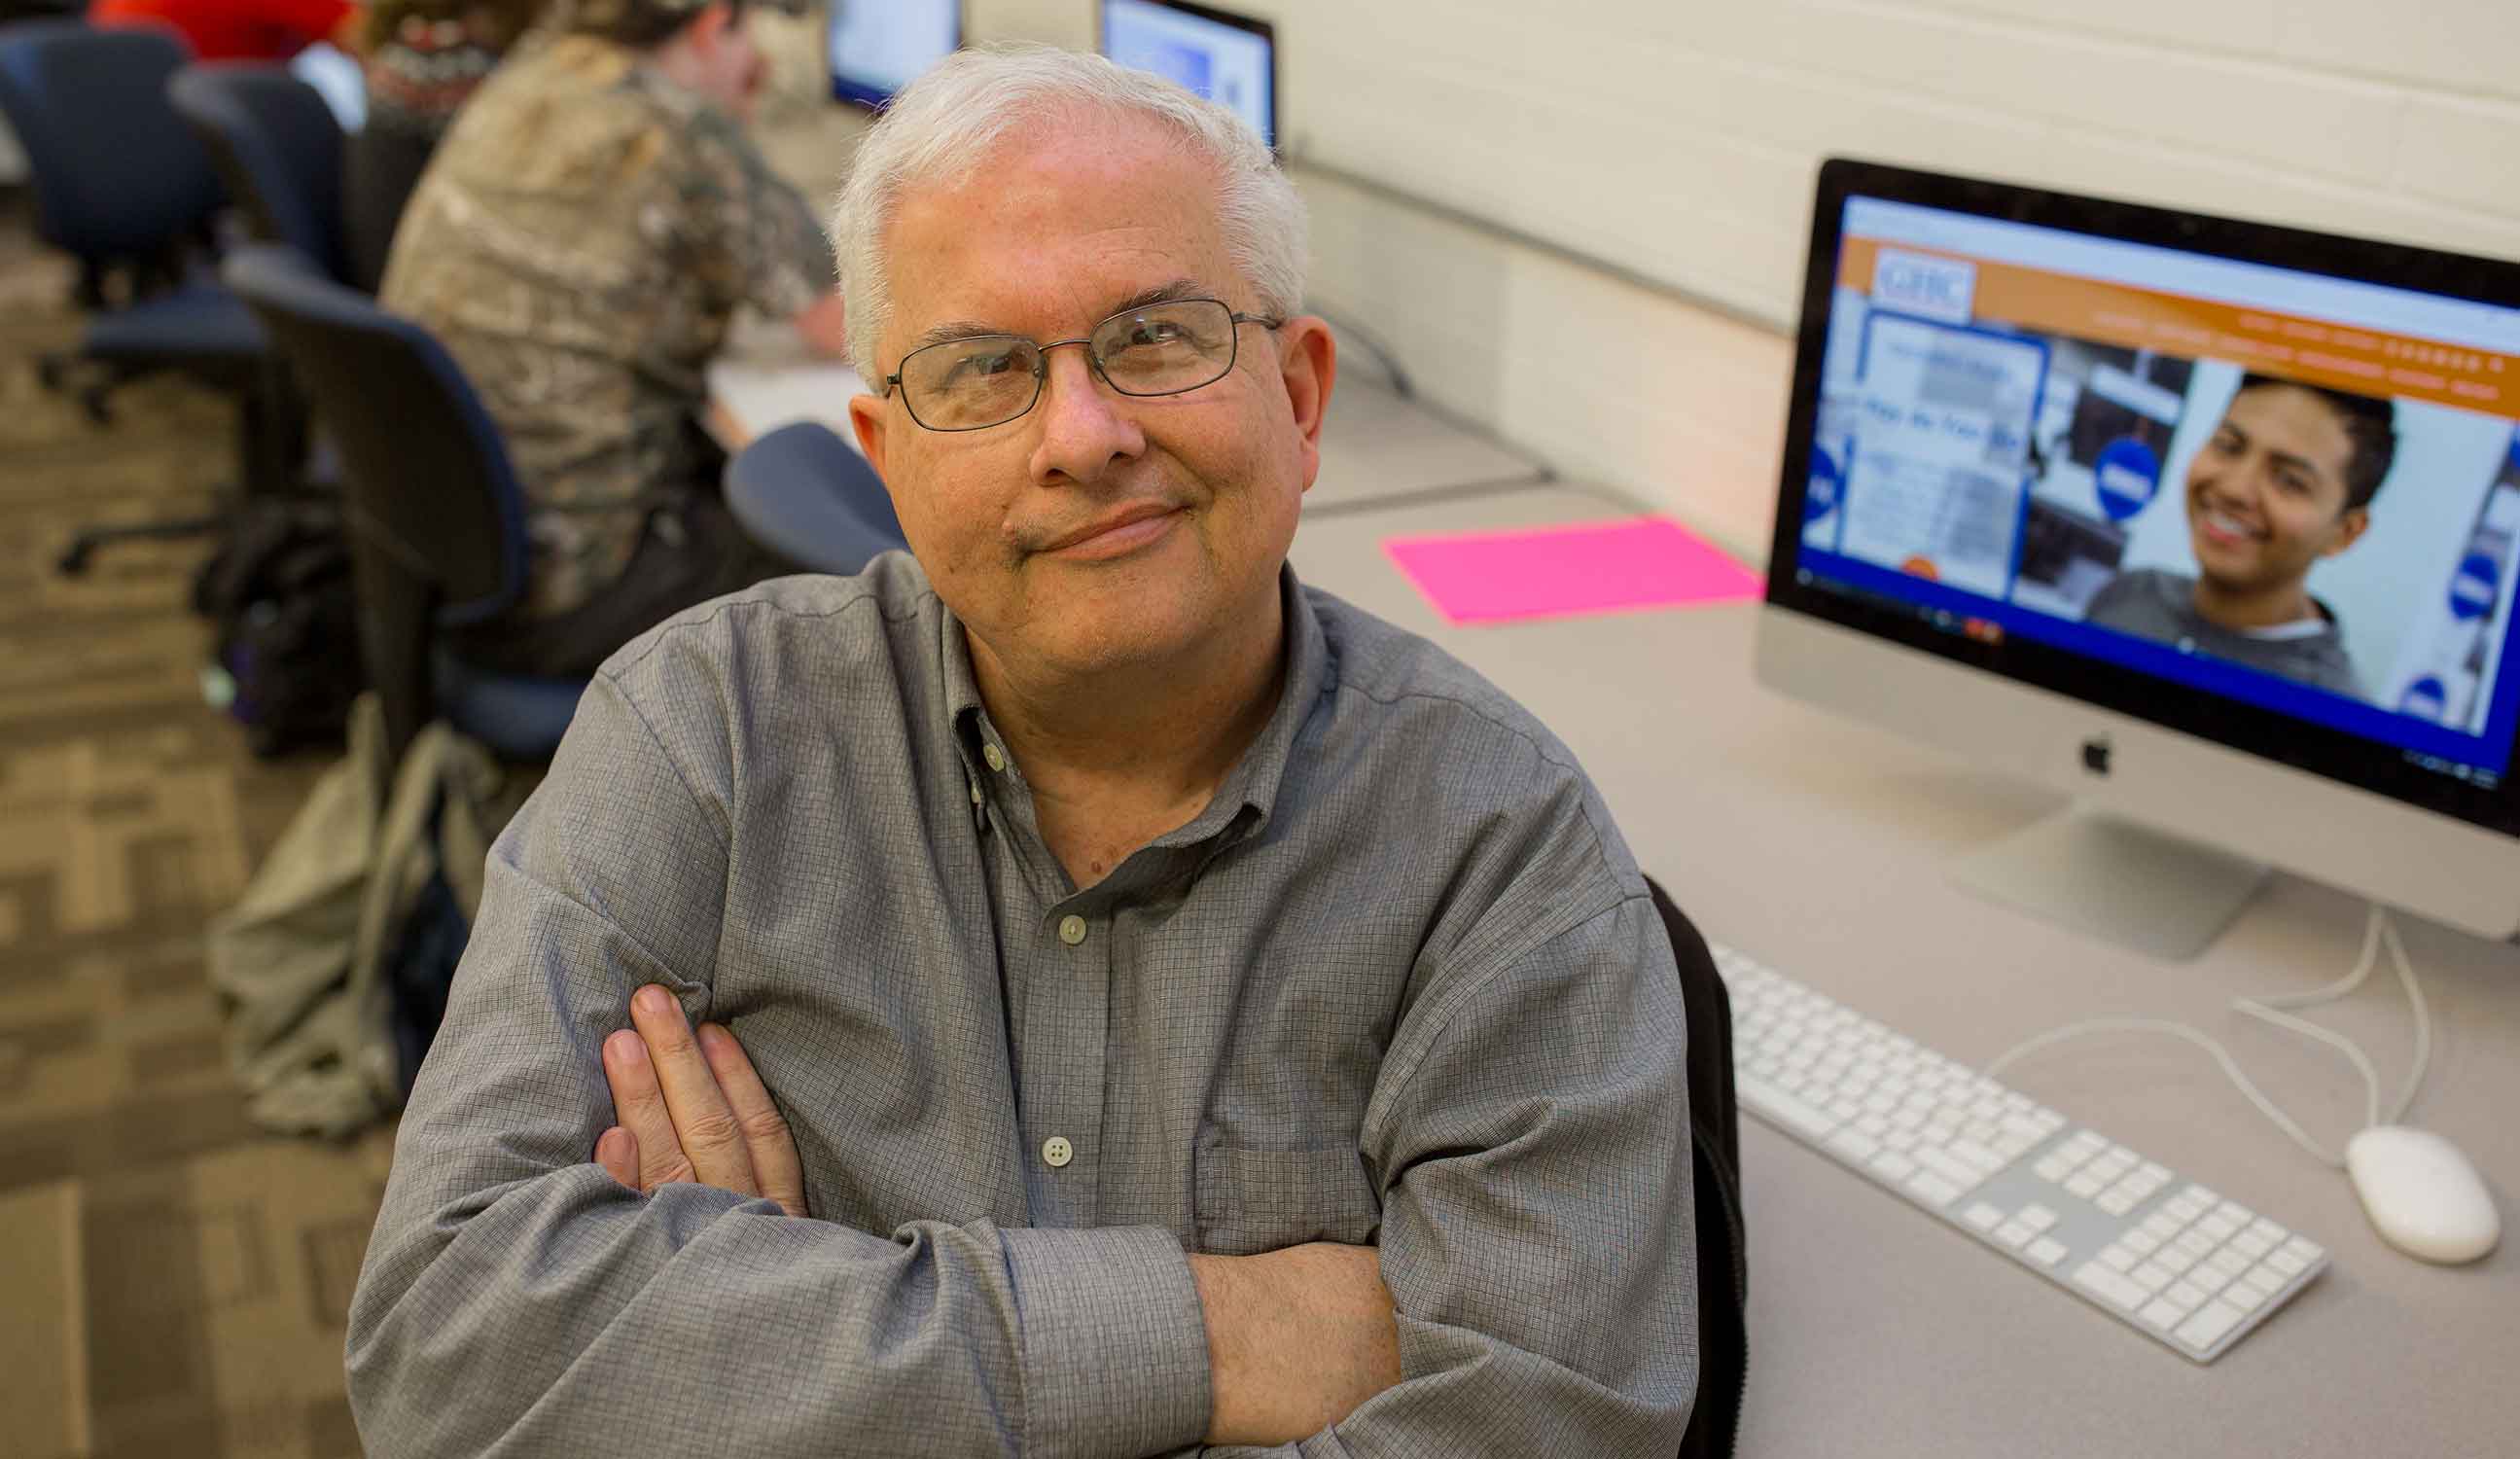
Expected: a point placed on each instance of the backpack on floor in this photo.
(279, 595)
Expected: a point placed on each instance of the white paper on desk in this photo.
(1941, 451)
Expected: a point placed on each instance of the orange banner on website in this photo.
(2311, 350)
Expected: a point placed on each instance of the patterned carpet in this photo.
(171, 1281)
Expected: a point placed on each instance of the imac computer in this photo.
(2211, 525)
(879, 46)
(1224, 57)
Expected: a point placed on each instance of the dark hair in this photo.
(2370, 424)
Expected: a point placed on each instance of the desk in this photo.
(1376, 446)
(1818, 846)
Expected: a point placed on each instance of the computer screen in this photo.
(1225, 57)
(879, 46)
(2251, 484)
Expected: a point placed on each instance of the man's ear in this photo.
(2349, 527)
(868, 419)
(1308, 365)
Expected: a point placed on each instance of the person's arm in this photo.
(1531, 1130)
(760, 238)
(515, 1300)
(1296, 1338)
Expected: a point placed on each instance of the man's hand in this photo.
(1296, 1338)
(692, 1109)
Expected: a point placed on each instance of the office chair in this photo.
(803, 492)
(277, 146)
(437, 518)
(123, 187)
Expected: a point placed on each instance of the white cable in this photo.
(2379, 930)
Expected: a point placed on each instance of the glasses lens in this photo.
(1165, 349)
(964, 384)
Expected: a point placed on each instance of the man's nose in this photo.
(1085, 428)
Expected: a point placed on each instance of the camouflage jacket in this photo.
(580, 242)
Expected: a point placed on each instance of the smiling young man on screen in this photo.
(1141, 1001)
(2285, 480)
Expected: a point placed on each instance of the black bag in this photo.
(280, 594)
(1715, 1158)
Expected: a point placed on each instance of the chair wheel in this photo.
(73, 563)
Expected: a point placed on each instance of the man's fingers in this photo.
(616, 1150)
(704, 1122)
(638, 1106)
(765, 1132)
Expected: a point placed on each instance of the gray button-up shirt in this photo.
(1399, 984)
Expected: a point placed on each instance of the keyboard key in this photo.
(1962, 1175)
(2184, 1294)
(2116, 1202)
(2304, 1248)
(1982, 1217)
(2251, 1245)
(2116, 1258)
(2285, 1262)
(2013, 1234)
(2265, 1279)
(2037, 1218)
(2173, 1261)
(2163, 1314)
(2229, 1263)
(2207, 1278)
(2084, 1185)
(2046, 1250)
(2209, 1325)
(2142, 1241)
(1893, 1166)
(1854, 1145)
(1773, 1102)
(2149, 1277)
(2109, 1285)
(2244, 1297)
(1933, 1189)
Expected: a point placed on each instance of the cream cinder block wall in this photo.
(1464, 159)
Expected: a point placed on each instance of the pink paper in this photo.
(1567, 572)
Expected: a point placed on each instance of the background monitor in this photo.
(879, 46)
(1225, 57)
(2070, 487)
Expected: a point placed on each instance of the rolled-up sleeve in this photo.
(516, 1300)
(1531, 1128)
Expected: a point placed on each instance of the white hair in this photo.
(944, 125)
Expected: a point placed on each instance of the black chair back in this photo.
(118, 177)
(277, 146)
(437, 515)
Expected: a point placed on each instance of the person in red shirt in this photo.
(239, 30)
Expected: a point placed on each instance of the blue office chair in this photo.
(437, 518)
(121, 185)
(803, 492)
(277, 145)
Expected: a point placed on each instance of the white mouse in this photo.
(2421, 1194)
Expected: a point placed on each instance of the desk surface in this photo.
(1376, 446)
(1819, 846)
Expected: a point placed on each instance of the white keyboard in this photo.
(2163, 1254)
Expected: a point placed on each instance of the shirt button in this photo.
(990, 754)
(976, 797)
(1058, 1152)
(1071, 929)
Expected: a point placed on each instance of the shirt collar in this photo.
(1254, 781)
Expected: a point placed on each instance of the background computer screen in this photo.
(1225, 58)
(879, 46)
(2109, 465)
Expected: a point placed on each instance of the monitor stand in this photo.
(2142, 890)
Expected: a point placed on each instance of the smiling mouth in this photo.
(1120, 533)
(2223, 529)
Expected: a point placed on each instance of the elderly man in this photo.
(1200, 1011)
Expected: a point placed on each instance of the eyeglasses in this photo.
(981, 381)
